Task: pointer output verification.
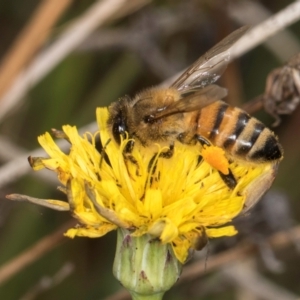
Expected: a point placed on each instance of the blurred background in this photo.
(58, 63)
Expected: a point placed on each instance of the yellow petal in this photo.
(153, 203)
(90, 232)
(222, 231)
(165, 229)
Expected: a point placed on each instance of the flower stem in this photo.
(136, 296)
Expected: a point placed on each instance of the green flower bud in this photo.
(144, 266)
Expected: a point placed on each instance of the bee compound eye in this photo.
(149, 119)
(119, 128)
(116, 132)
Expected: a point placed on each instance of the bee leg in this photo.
(129, 146)
(165, 154)
(101, 149)
(201, 241)
(229, 178)
(168, 153)
(203, 141)
(153, 164)
(128, 156)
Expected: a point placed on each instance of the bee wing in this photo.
(259, 186)
(210, 66)
(196, 100)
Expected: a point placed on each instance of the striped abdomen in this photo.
(241, 135)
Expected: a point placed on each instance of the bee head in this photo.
(117, 119)
(136, 116)
(133, 116)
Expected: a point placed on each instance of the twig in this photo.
(252, 13)
(266, 29)
(30, 40)
(253, 105)
(139, 42)
(278, 240)
(9, 152)
(19, 166)
(142, 36)
(47, 282)
(33, 253)
(97, 15)
(197, 269)
(282, 89)
(245, 276)
(261, 32)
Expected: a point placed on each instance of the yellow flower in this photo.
(178, 200)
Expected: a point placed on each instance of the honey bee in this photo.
(191, 111)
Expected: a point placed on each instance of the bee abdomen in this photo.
(254, 141)
(266, 148)
(241, 135)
